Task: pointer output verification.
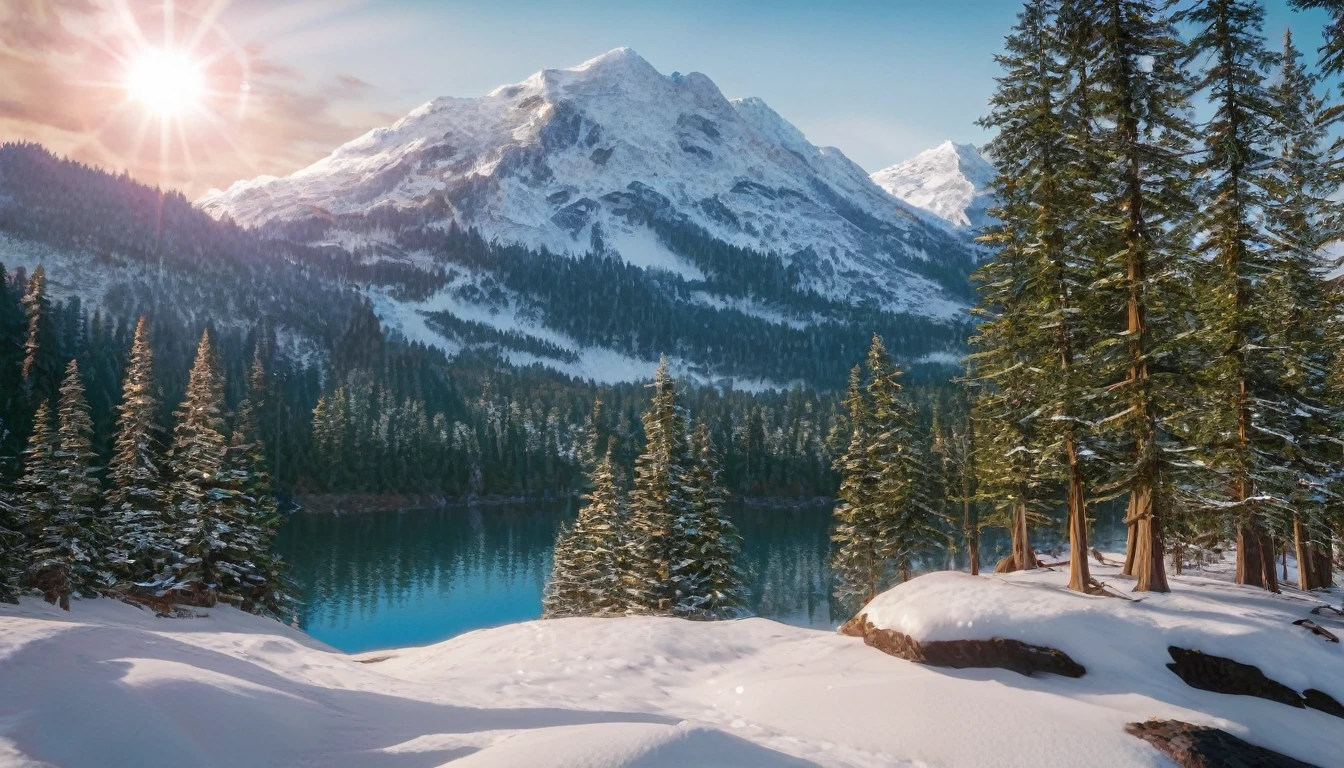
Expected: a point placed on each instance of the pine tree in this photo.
(1140, 228)
(857, 531)
(39, 469)
(908, 517)
(200, 492)
(1244, 388)
(40, 371)
(586, 574)
(135, 511)
(1301, 220)
(67, 554)
(256, 574)
(712, 585)
(1005, 421)
(659, 501)
(1040, 111)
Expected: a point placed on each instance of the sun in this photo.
(165, 82)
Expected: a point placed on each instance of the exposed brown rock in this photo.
(1196, 746)
(997, 652)
(1322, 701)
(1222, 675)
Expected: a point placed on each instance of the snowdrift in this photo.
(110, 684)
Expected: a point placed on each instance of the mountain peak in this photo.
(622, 56)
(950, 181)
(614, 153)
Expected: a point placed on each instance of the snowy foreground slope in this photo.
(110, 684)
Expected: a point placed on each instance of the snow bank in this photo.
(1123, 643)
(110, 684)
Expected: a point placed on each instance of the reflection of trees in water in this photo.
(350, 566)
(786, 554)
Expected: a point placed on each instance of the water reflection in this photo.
(391, 579)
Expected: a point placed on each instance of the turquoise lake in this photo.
(402, 578)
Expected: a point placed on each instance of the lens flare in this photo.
(165, 82)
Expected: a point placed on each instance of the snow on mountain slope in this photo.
(109, 684)
(612, 145)
(951, 181)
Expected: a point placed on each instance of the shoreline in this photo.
(366, 503)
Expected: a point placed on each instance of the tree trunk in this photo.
(1255, 556)
(1306, 558)
(1024, 558)
(971, 531)
(1080, 577)
(1150, 565)
(1131, 539)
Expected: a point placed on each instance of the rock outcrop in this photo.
(1196, 746)
(1001, 653)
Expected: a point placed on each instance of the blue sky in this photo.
(286, 81)
(880, 80)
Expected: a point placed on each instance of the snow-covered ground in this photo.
(109, 684)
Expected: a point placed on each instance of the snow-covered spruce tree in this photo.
(67, 551)
(253, 573)
(912, 523)
(140, 539)
(1039, 116)
(712, 585)
(856, 532)
(39, 470)
(1245, 389)
(41, 366)
(1139, 143)
(248, 569)
(1005, 422)
(200, 494)
(586, 578)
(1301, 219)
(565, 593)
(660, 497)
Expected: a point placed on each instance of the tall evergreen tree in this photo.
(661, 497)
(1140, 140)
(1039, 116)
(711, 584)
(67, 553)
(200, 491)
(1006, 421)
(586, 573)
(1301, 220)
(41, 355)
(1245, 389)
(135, 511)
(857, 531)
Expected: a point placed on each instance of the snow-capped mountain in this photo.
(612, 152)
(950, 181)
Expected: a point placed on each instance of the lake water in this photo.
(411, 577)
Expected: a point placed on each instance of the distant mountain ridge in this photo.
(614, 155)
(950, 181)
